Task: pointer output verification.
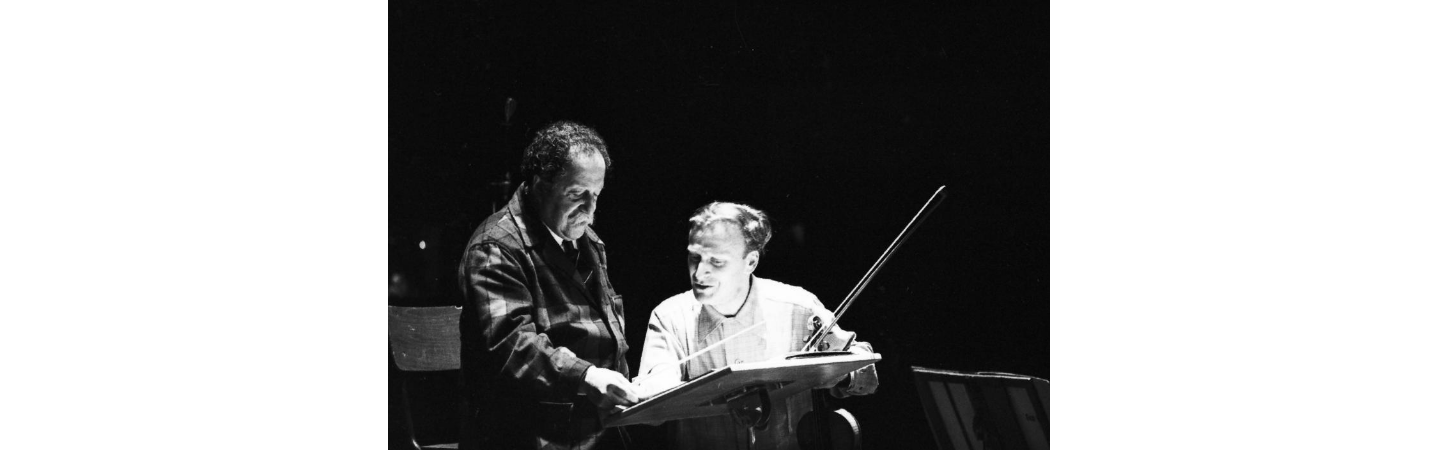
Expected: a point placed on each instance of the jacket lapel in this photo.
(534, 234)
(589, 249)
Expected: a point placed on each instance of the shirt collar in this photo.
(748, 313)
(557, 239)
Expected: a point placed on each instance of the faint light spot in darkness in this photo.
(421, 245)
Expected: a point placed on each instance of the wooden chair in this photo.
(424, 344)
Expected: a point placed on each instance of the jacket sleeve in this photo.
(494, 285)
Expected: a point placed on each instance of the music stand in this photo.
(985, 410)
(715, 393)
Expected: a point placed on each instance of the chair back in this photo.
(424, 338)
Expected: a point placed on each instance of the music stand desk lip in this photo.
(918, 370)
(697, 397)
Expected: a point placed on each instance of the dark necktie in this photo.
(571, 252)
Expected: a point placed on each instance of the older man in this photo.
(725, 243)
(542, 331)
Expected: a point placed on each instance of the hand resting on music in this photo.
(607, 389)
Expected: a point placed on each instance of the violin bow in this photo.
(821, 332)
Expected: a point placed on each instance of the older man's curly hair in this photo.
(554, 147)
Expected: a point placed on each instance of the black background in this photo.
(837, 118)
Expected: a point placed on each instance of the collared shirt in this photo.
(713, 327)
(557, 238)
(561, 240)
(681, 325)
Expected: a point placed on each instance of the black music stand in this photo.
(740, 387)
(985, 410)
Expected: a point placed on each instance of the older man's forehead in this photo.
(574, 176)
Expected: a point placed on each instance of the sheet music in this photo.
(654, 390)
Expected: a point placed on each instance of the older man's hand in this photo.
(607, 388)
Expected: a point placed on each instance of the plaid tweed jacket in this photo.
(533, 322)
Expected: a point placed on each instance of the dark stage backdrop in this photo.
(837, 118)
